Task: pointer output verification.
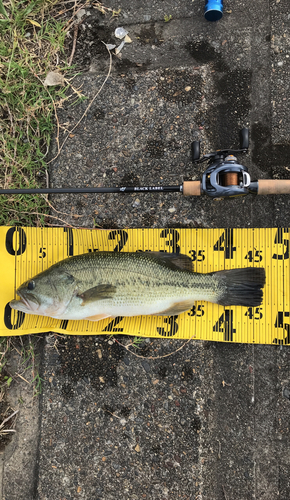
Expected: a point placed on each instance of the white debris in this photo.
(53, 78)
(120, 33)
(118, 49)
(110, 46)
(81, 13)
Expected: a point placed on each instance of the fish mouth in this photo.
(20, 305)
(25, 304)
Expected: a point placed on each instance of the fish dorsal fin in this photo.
(173, 260)
(99, 292)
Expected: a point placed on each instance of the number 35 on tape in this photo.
(28, 251)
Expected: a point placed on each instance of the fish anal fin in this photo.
(98, 317)
(99, 292)
(176, 308)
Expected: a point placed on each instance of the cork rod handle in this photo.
(192, 188)
(273, 186)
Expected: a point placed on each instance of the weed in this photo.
(3, 11)
(31, 45)
(137, 341)
(5, 343)
(3, 430)
(8, 380)
(37, 385)
(167, 18)
(106, 10)
(29, 363)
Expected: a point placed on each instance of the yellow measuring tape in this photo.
(28, 251)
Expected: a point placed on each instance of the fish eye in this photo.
(31, 285)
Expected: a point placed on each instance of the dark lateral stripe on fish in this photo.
(243, 287)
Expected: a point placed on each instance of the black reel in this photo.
(224, 176)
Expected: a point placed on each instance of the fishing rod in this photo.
(223, 178)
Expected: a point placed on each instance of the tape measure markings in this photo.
(27, 251)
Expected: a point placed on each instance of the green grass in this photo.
(24, 370)
(32, 40)
(31, 45)
(25, 350)
(167, 18)
(30, 362)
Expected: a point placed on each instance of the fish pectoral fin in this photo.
(98, 317)
(99, 292)
(176, 309)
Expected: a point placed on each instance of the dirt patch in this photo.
(85, 359)
(124, 65)
(89, 46)
(99, 114)
(232, 93)
(148, 219)
(204, 53)
(5, 412)
(180, 86)
(155, 149)
(130, 179)
(91, 52)
(265, 154)
(261, 137)
(150, 35)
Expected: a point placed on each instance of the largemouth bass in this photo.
(100, 285)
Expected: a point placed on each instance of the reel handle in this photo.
(273, 186)
(244, 138)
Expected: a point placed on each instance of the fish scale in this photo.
(98, 285)
(147, 273)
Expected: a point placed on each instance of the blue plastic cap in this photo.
(213, 10)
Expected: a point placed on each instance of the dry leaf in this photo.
(34, 23)
(137, 448)
(53, 78)
(127, 39)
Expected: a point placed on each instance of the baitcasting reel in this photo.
(224, 176)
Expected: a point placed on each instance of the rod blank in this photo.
(125, 189)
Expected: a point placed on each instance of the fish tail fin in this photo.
(242, 287)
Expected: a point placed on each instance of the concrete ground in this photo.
(211, 421)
